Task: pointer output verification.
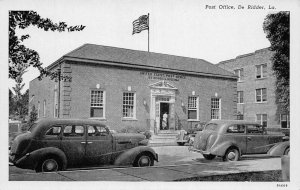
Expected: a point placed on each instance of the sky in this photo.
(177, 27)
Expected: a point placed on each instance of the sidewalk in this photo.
(156, 173)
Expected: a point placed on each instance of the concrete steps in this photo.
(165, 138)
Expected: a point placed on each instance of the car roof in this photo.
(74, 121)
(44, 124)
(229, 122)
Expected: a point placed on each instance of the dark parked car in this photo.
(230, 139)
(57, 144)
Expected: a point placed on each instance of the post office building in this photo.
(123, 87)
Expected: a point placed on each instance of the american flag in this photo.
(140, 24)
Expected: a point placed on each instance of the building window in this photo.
(240, 74)
(240, 116)
(240, 97)
(97, 104)
(193, 108)
(284, 121)
(55, 104)
(129, 105)
(261, 71)
(215, 108)
(44, 108)
(38, 110)
(262, 119)
(261, 95)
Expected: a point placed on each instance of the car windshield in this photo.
(212, 127)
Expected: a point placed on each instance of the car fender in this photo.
(220, 149)
(279, 148)
(128, 157)
(32, 159)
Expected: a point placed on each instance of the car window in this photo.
(73, 131)
(212, 127)
(236, 129)
(102, 131)
(254, 129)
(97, 131)
(53, 131)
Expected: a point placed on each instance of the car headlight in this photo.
(144, 142)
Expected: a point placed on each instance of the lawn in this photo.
(249, 176)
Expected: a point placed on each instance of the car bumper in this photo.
(24, 162)
(156, 157)
(192, 149)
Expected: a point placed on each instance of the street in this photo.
(167, 156)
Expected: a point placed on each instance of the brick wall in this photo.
(75, 95)
(250, 108)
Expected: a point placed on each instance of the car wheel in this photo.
(287, 151)
(209, 156)
(143, 160)
(232, 154)
(180, 143)
(49, 164)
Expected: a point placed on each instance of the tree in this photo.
(19, 54)
(277, 29)
(18, 98)
(12, 106)
(32, 116)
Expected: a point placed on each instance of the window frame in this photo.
(239, 97)
(260, 130)
(74, 131)
(261, 119)
(193, 108)
(287, 121)
(103, 103)
(236, 132)
(133, 117)
(240, 74)
(261, 71)
(261, 95)
(53, 136)
(219, 108)
(44, 108)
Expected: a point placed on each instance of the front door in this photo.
(164, 116)
(257, 141)
(73, 144)
(98, 145)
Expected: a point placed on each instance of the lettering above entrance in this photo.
(162, 88)
(163, 85)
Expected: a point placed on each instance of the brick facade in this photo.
(250, 108)
(75, 96)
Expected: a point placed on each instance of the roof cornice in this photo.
(135, 66)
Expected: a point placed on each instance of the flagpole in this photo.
(148, 30)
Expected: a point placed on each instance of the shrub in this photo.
(131, 129)
(147, 134)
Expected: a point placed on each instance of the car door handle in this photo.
(90, 142)
(82, 142)
(249, 138)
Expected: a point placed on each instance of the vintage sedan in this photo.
(230, 139)
(57, 144)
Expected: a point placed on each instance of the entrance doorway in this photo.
(164, 116)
